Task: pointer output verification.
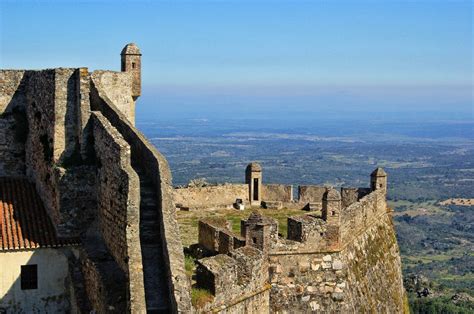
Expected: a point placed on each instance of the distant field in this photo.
(458, 201)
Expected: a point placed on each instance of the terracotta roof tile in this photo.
(24, 223)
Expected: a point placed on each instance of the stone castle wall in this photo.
(155, 166)
(277, 192)
(307, 273)
(117, 86)
(118, 204)
(214, 196)
(13, 126)
(118, 189)
(57, 147)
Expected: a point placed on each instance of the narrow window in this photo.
(333, 213)
(255, 189)
(254, 240)
(133, 65)
(29, 277)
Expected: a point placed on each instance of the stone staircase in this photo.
(154, 267)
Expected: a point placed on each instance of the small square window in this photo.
(29, 277)
(334, 213)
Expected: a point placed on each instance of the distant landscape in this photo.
(429, 160)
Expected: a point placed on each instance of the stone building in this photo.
(88, 216)
(97, 222)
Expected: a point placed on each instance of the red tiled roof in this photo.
(24, 223)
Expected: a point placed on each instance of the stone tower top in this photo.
(131, 49)
(132, 62)
(379, 172)
(378, 180)
(254, 167)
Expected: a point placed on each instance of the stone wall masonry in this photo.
(118, 194)
(234, 278)
(155, 167)
(311, 194)
(277, 192)
(374, 276)
(13, 124)
(307, 283)
(12, 144)
(104, 283)
(255, 303)
(12, 89)
(350, 196)
(211, 197)
(118, 88)
(358, 216)
(40, 103)
(118, 204)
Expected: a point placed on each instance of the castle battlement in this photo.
(313, 254)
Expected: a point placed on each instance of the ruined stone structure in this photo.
(91, 196)
(344, 258)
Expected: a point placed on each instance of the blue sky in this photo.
(302, 55)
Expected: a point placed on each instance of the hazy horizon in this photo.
(244, 58)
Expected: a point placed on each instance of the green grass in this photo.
(189, 265)
(199, 297)
(188, 220)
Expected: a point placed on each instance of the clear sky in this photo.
(306, 55)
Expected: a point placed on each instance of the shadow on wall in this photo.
(13, 123)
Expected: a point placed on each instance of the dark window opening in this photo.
(255, 189)
(333, 213)
(133, 65)
(29, 277)
(254, 240)
(380, 185)
(321, 234)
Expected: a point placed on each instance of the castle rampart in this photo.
(97, 172)
(308, 271)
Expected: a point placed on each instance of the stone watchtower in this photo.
(378, 180)
(132, 62)
(253, 177)
(332, 204)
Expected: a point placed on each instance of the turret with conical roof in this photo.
(132, 62)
